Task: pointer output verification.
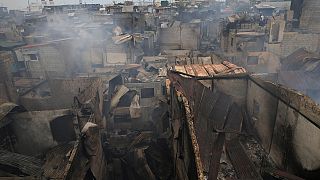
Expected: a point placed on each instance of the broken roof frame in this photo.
(305, 107)
(183, 82)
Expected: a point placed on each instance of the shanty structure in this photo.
(211, 124)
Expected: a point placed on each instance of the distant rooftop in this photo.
(10, 44)
(209, 70)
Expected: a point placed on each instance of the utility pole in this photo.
(29, 5)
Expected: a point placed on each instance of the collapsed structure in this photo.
(181, 90)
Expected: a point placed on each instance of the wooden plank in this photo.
(215, 157)
(220, 111)
(244, 167)
(234, 120)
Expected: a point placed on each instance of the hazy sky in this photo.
(19, 4)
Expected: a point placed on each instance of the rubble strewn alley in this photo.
(160, 90)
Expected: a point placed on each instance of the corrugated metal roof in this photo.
(298, 80)
(282, 5)
(207, 70)
(301, 60)
(56, 161)
(26, 164)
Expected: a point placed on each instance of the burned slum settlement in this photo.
(160, 90)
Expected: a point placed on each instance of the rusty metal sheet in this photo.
(205, 135)
(199, 70)
(220, 111)
(234, 120)
(215, 157)
(282, 174)
(244, 167)
(194, 89)
(189, 70)
(201, 131)
(229, 65)
(180, 69)
(209, 69)
(218, 68)
(198, 97)
(239, 70)
(208, 100)
(206, 144)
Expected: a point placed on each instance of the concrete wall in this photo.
(213, 29)
(287, 125)
(170, 38)
(293, 41)
(277, 27)
(63, 92)
(148, 106)
(261, 106)
(190, 36)
(7, 91)
(302, 138)
(236, 88)
(50, 60)
(180, 36)
(59, 59)
(32, 130)
(267, 62)
(147, 101)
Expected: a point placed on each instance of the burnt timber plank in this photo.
(215, 157)
(205, 135)
(220, 111)
(234, 120)
(244, 168)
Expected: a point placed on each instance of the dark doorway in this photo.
(62, 129)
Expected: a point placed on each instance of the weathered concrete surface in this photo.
(33, 132)
(62, 93)
(157, 87)
(261, 106)
(236, 88)
(294, 40)
(267, 62)
(180, 36)
(287, 124)
(7, 92)
(306, 143)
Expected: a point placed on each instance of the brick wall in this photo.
(293, 41)
(310, 16)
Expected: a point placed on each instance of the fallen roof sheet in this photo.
(244, 167)
(298, 80)
(10, 44)
(26, 164)
(122, 38)
(301, 59)
(281, 5)
(56, 161)
(209, 70)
